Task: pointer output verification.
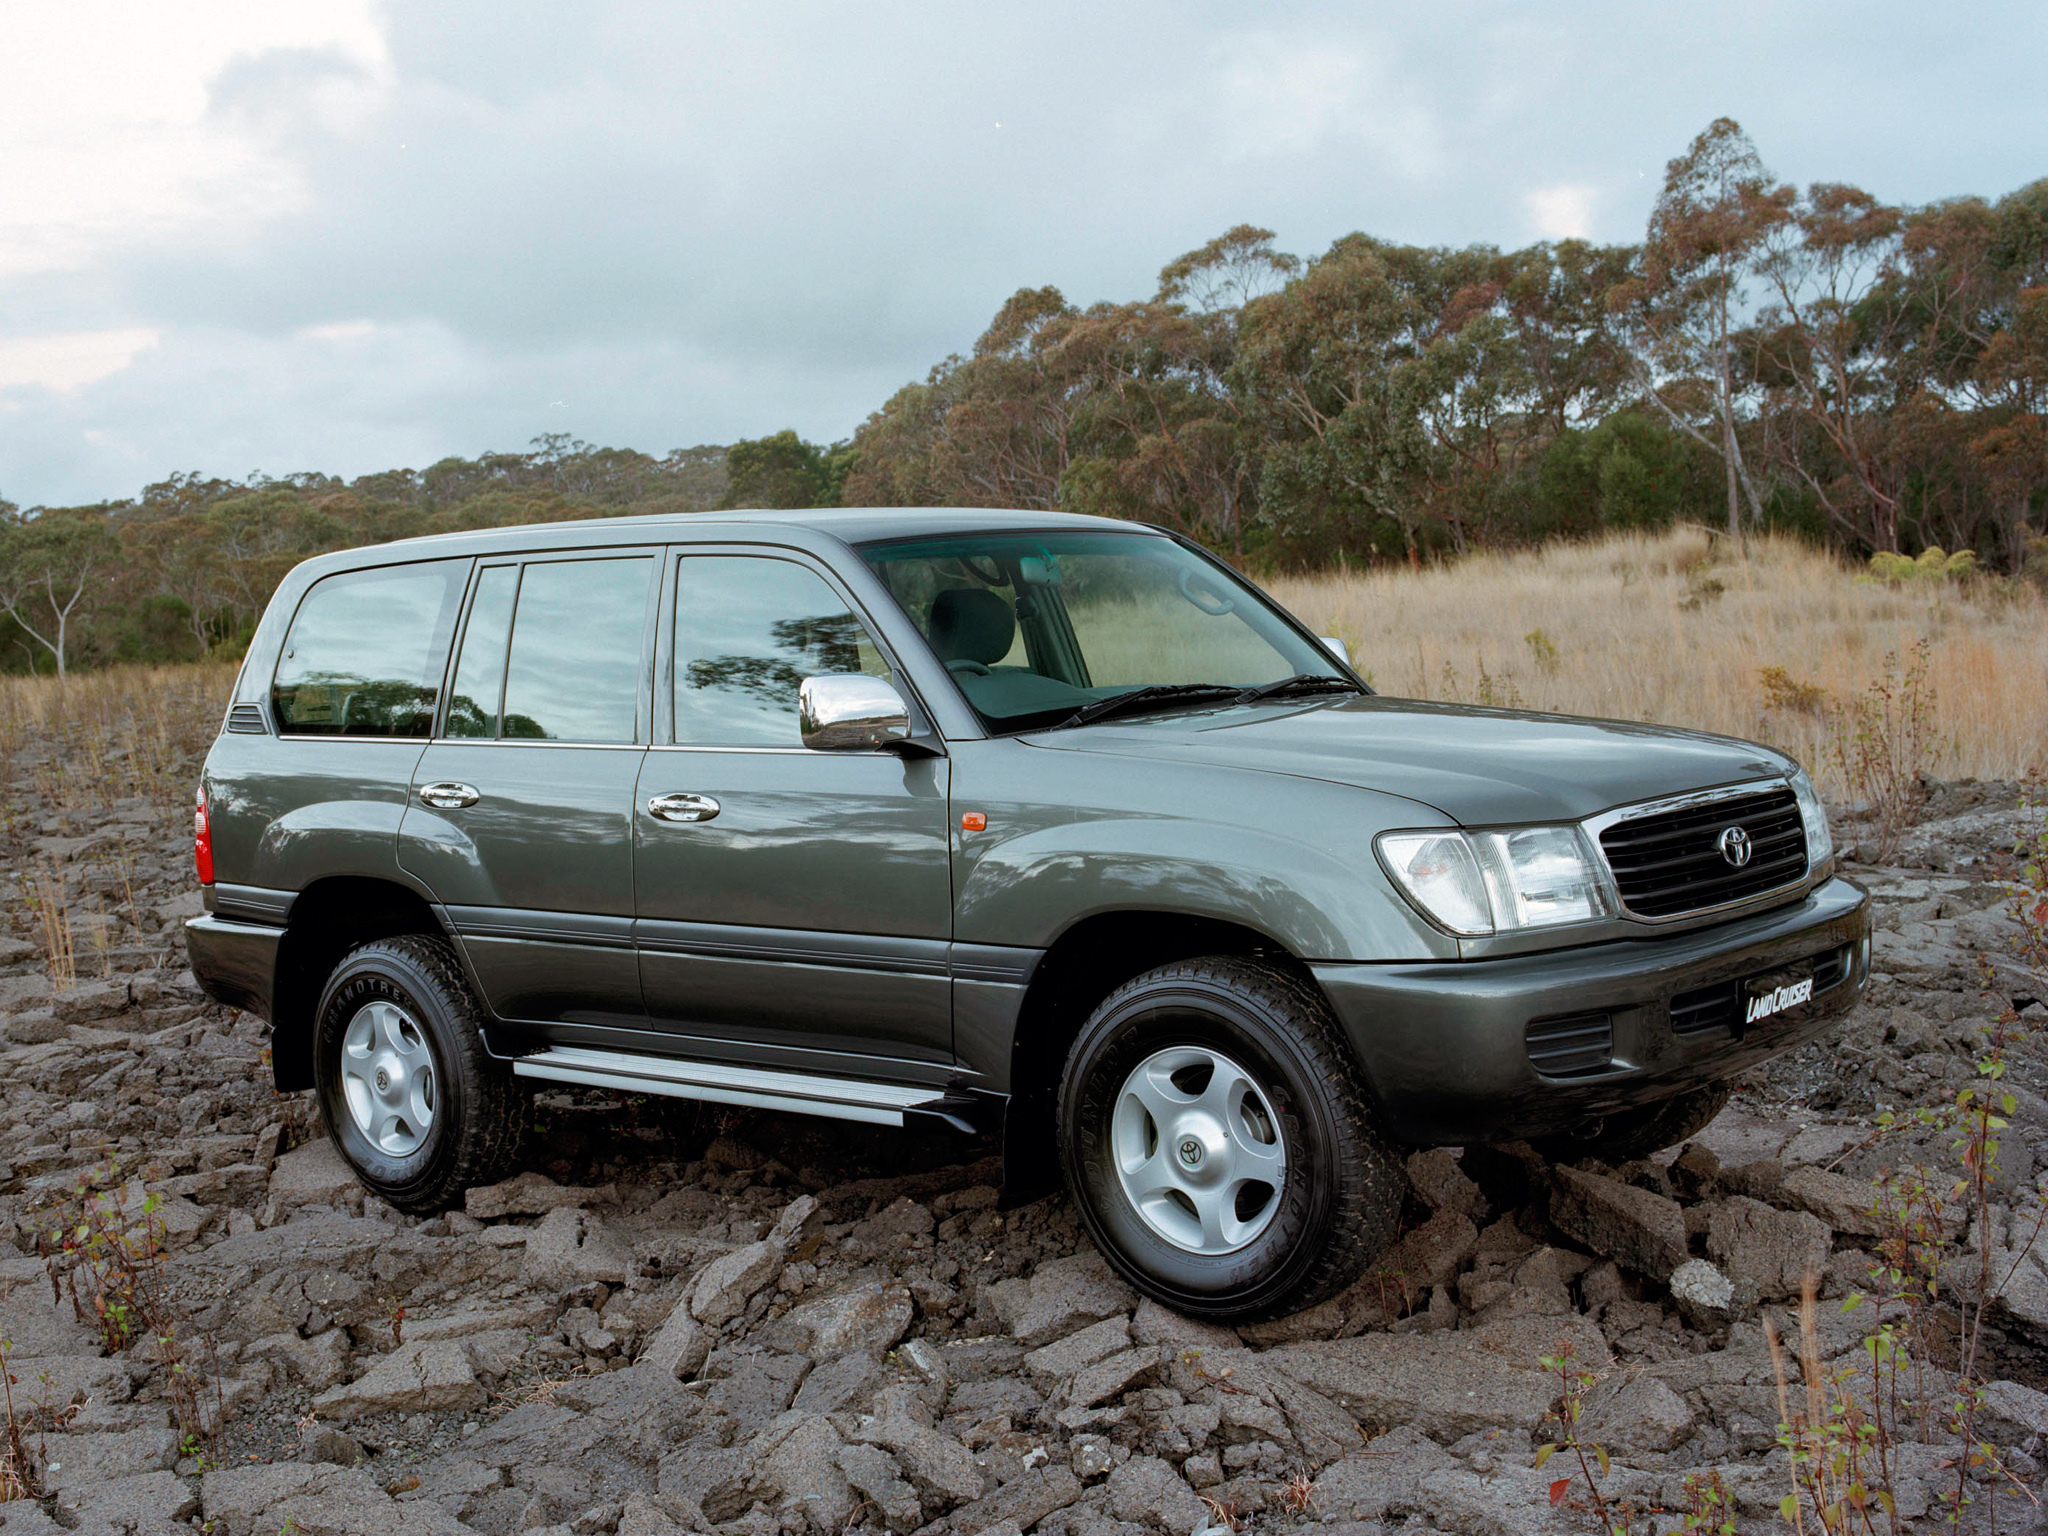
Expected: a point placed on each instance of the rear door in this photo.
(806, 906)
(521, 813)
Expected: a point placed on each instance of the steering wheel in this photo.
(965, 668)
(1216, 605)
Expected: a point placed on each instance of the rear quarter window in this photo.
(365, 652)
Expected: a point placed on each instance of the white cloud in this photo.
(1296, 94)
(338, 331)
(70, 360)
(1562, 212)
(115, 139)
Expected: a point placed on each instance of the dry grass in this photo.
(129, 729)
(1662, 629)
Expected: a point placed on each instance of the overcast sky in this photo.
(348, 236)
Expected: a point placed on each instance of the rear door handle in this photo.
(449, 795)
(682, 807)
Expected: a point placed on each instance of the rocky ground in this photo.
(763, 1325)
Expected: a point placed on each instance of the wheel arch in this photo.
(328, 919)
(1090, 959)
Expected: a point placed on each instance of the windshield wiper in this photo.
(1301, 682)
(1157, 693)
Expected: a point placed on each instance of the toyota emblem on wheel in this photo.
(1735, 846)
(1191, 1152)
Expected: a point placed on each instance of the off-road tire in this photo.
(1341, 1200)
(480, 1120)
(1637, 1133)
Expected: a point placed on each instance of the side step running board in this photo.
(836, 1098)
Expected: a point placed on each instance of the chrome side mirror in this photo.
(850, 712)
(1336, 648)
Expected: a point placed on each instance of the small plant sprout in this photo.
(1575, 1382)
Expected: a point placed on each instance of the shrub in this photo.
(1885, 744)
(1932, 566)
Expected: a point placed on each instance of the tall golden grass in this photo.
(129, 731)
(1673, 629)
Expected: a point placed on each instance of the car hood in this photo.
(1481, 767)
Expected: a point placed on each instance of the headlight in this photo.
(1477, 883)
(1820, 845)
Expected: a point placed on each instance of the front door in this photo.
(521, 814)
(791, 900)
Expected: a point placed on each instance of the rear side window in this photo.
(366, 650)
(575, 664)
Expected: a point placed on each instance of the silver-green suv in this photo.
(1041, 824)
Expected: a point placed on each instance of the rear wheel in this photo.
(1219, 1144)
(1637, 1133)
(412, 1100)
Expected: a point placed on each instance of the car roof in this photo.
(849, 525)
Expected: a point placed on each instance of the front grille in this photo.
(1669, 863)
(247, 720)
(1706, 1009)
(1575, 1046)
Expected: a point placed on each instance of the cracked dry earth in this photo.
(757, 1325)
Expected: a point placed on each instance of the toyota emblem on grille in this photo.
(1735, 845)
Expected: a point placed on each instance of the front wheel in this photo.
(412, 1100)
(1219, 1144)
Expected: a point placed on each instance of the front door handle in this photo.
(449, 795)
(682, 807)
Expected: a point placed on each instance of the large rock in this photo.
(867, 1317)
(1112, 1377)
(530, 1194)
(1767, 1253)
(1061, 1297)
(679, 1347)
(1704, 1295)
(419, 1377)
(1639, 1230)
(1446, 1385)
(731, 1280)
(873, 1473)
(315, 1500)
(1022, 1502)
(1063, 1357)
(804, 1465)
(942, 1469)
(1644, 1415)
(1845, 1204)
(312, 1175)
(570, 1247)
(1435, 1175)
(1382, 1480)
(1147, 1491)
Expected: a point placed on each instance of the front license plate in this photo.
(1771, 995)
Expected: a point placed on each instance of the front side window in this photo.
(365, 651)
(572, 672)
(748, 630)
(1036, 626)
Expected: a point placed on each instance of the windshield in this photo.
(1036, 626)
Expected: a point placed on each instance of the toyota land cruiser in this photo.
(1035, 824)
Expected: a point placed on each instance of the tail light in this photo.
(202, 840)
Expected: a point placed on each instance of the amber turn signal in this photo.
(973, 821)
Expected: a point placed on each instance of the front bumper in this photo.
(1445, 1046)
(235, 963)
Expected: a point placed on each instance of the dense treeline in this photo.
(1875, 377)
